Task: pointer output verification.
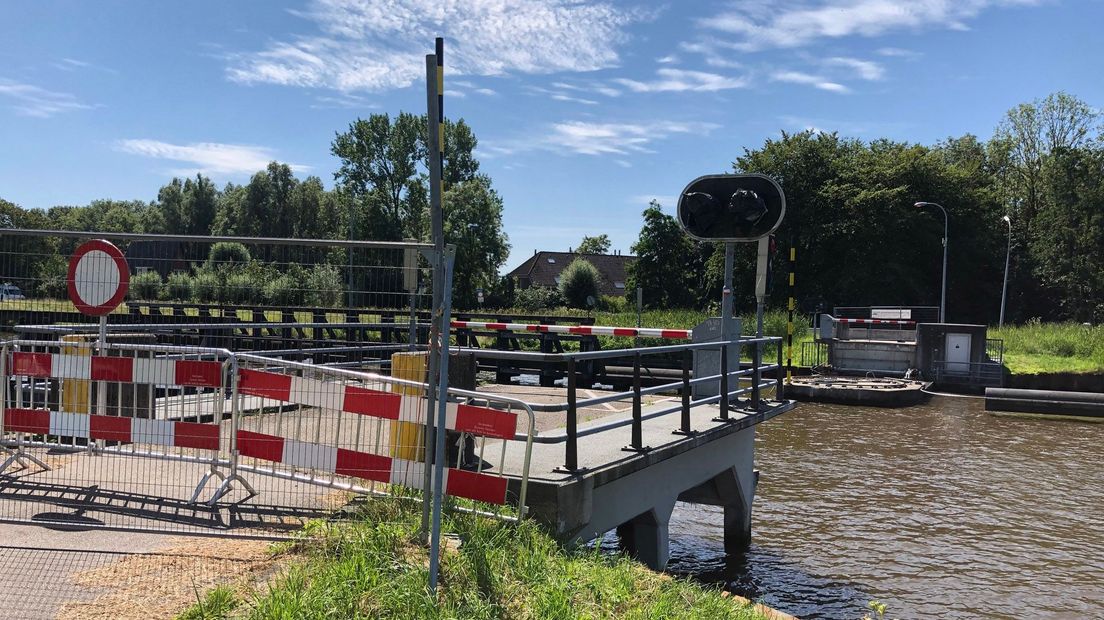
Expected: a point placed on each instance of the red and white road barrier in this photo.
(189, 373)
(387, 405)
(579, 330)
(875, 322)
(112, 428)
(389, 470)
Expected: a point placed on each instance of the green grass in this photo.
(1037, 347)
(375, 568)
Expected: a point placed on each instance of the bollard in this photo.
(406, 438)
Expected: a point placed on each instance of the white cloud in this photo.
(206, 157)
(30, 100)
(794, 23)
(896, 52)
(668, 59)
(666, 200)
(797, 77)
(569, 98)
(373, 45)
(342, 101)
(586, 138)
(679, 80)
(865, 69)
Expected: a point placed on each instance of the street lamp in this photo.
(1007, 255)
(943, 294)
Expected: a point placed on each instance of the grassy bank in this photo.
(1037, 347)
(375, 568)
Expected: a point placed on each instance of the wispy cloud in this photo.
(72, 64)
(596, 138)
(586, 138)
(560, 94)
(896, 52)
(865, 69)
(347, 101)
(206, 157)
(797, 77)
(795, 23)
(373, 46)
(31, 100)
(679, 80)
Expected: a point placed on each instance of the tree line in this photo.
(380, 192)
(860, 241)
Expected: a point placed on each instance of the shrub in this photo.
(325, 286)
(284, 290)
(145, 285)
(205, 287)
(178, 286)
(578, 282)
(50, 276)
(537, 298)
(227, 253)
(243, 288)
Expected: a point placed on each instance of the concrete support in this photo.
(646, 537)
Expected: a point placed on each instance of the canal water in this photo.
(939, 511)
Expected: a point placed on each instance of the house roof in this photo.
(543, 268)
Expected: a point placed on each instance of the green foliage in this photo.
(376, 569)
(243, 287)
(206, 287)
(537, 298)
(594, 245)
(145, 286)
(287, 289)
(669, 266)
(50, 277)
(227, 253)
(217, 604)
(1036, 347)
(178, 286)
(325, 286)
(578, 281)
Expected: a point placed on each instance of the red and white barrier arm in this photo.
(301, 454)
(112, 428)
(387, 405)
(579, 330)
(874, 322)
(190, 373)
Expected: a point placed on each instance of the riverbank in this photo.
(373, 567)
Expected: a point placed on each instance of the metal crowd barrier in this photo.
(237, 416)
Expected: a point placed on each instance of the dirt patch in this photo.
(163, 584)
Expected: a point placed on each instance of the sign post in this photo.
(98, 280)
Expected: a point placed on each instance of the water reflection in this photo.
(940, 510)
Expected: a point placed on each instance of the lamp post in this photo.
(943, 294)
(1007, 255)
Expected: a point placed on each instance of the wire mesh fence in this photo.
(322, 300)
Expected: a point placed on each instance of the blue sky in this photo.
(584, 109)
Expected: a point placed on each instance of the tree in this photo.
(473, 221)
(594, 245)
(383, 185)
(579, 283)
(664, 267)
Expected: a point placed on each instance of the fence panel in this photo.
(327, 301)
(123, 436)
(333, 427)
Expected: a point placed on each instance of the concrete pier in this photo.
(634, 493)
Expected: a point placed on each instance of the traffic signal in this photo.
(731, 207)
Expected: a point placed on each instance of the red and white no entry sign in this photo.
(98, 277)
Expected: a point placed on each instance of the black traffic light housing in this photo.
(731, 207)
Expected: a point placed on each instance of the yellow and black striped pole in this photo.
(791, 305)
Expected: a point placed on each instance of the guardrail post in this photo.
(685, 426)
(724, 381)
(780, 391)
(637, 444)
(756, 374)
(572, 460)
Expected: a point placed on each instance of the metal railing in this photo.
(684, 387)
(985, 373)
